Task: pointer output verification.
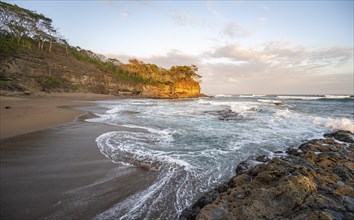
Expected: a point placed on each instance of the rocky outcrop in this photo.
(226, 115)
(315, 181)
(37, 71)
(181, 89)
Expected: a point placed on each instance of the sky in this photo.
(240, 47)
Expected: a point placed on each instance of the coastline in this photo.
(59, 172)
(313, 181)
(24, 114)
(32, 164)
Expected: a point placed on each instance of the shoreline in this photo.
(312, 181)
(65, 169)
(25, 114)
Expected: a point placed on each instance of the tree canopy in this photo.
(24, 25)
(155, 74)
(21, 23)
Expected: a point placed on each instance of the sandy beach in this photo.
(59, 172)
(20, 115)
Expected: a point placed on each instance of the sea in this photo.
(196, 144)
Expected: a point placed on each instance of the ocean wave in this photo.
(337, 96)
(115, 110)
(193, 152)
(164, 133)
(133, 148)
(251, 96)
(315, 97)
(223, 95)
(337, 124)
(173, 189)
(269, 101)
(242, 108)
(284, 113)
(300, 97)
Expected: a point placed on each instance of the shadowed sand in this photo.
(59, 173)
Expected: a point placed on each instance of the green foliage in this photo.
(153, 74)
(10, 85)
(23, 24)
(106, 66)
(49, 83)
(10, 46)
(22, 29)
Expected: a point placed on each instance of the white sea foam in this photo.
(99, 118)
(251, 96)
(283, 113)
(164, 132)
(223, 95)
(269, 101)
(133, 148)
(301, 97)
(338, 124)
(242, 108)
(337, 96)
(193, 151)
(315, 97)
(114, 110)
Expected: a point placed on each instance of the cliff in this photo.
(314, 181)
(181, 89)
(32, 71)
(35, 58)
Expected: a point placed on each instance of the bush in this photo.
(50, 83)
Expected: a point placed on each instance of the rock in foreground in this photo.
(314, 182)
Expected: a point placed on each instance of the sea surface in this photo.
(195, 144)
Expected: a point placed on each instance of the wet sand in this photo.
(59, 173)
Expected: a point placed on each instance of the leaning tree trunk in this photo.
(66, 50)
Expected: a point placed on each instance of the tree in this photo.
(22, 23)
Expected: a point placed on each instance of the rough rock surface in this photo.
(315, 181)
(226, 115)
(181, 89)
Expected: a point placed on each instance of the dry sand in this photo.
(20, 115)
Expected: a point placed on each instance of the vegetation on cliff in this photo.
(29, 41)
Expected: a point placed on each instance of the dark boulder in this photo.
(344, 136)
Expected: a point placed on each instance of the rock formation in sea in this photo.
(315, 181)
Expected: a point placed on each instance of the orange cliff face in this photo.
(181, 89)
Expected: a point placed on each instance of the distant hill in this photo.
(35, 58)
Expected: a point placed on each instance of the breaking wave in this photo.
(193, 151)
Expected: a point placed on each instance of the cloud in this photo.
(233, 80)
(234, 30)
(262, 20)
(279, 67)
(270, 68)
(167, 60)
(124, 14)
(284, 55)
(212, 8)
(184, 19)
(266, 8)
